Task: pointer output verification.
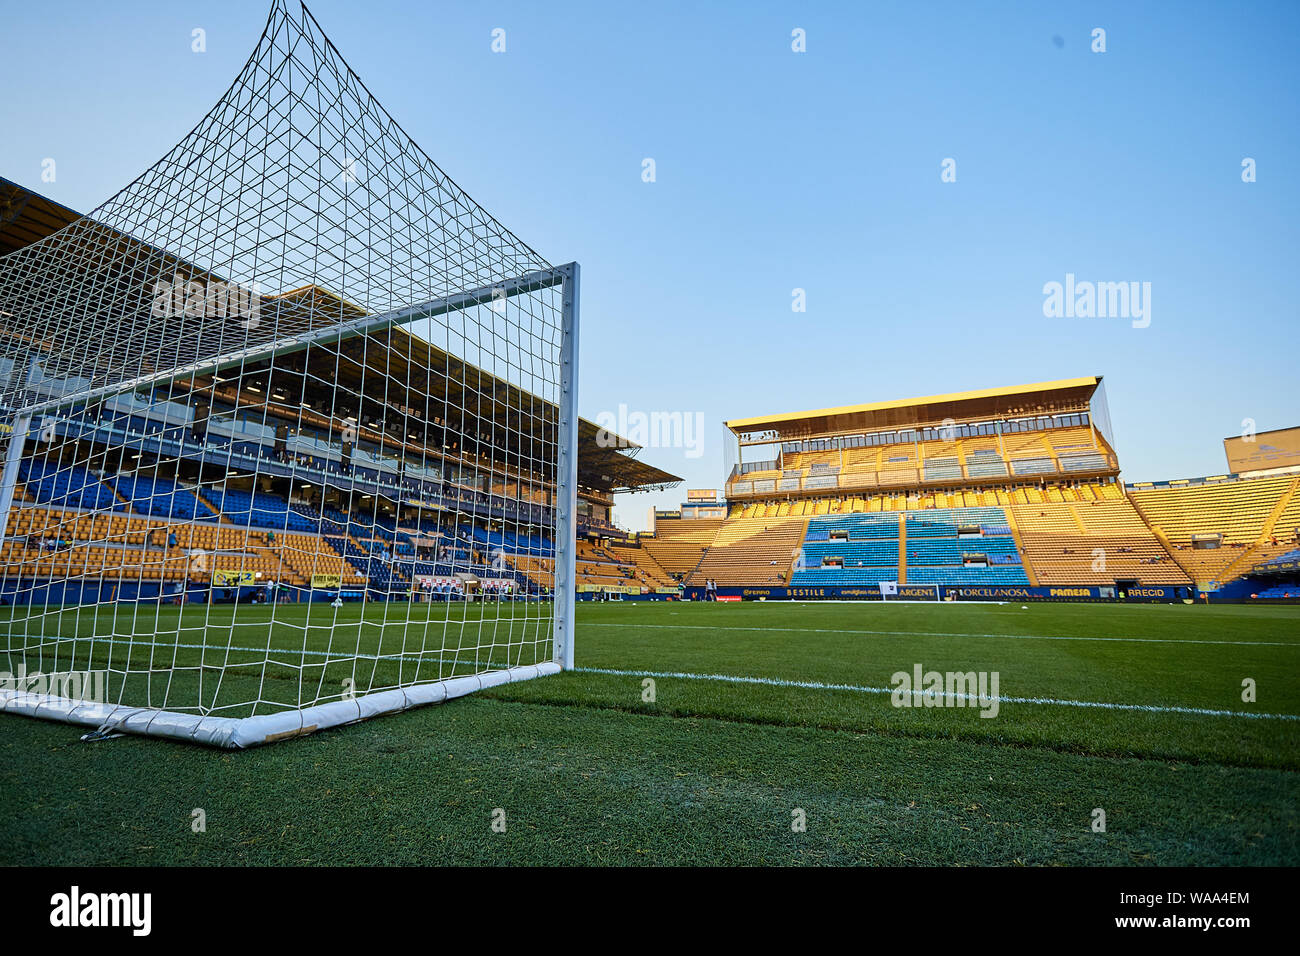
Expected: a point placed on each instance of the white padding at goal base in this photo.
(240, 732)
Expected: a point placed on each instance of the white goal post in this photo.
(290, 431)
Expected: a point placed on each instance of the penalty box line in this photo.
(919, 695)
(1010, 637)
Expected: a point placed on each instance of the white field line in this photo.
(919, 695)
(1011, 637)
(737, 679)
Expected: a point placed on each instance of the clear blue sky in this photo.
(819, 170)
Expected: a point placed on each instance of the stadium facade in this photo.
(1000, 493)
(994, 493)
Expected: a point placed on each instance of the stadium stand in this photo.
(864, 550)
(598, 565)
(1215, 531)
(650, 571)
(997, 487)
(168, 531)
(904, 501)
(350, 500)
(961, 546)
(927, 546)
(260, 509)
(160, 497)
(82, 544)
(678, 546)
(1031, 466)
(896, 490)
(65, 486)
(1060, 541)
(750, 551)
(1277, 541)
(1286, 591)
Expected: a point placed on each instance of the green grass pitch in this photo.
(1133, 709)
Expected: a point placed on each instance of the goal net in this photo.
(288, 430)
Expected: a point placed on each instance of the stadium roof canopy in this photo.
(977, 405)
(391, 352)
(26, 216)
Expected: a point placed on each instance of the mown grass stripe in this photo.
(860, 689)
(777, 628)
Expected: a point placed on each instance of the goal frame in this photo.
(243, 732)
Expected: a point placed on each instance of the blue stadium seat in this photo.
(160, 497)
(66, 486)
(866, 546)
